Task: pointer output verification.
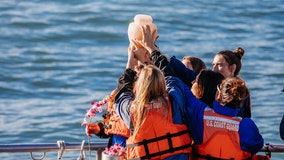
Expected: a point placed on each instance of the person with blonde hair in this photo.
(112, 126)
(143, 104)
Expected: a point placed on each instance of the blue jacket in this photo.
(281, 128)
(177, 97)
(250, 138)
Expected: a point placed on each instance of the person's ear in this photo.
(218, 96)
(233, 69)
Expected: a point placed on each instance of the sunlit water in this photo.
(58, 56)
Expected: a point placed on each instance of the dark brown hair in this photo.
(233, 57)
(207, 81)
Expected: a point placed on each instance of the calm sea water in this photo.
(58, 56)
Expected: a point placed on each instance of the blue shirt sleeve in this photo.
(175, 91)
(187, 109)
(194, 112)
(185, 74)
(250, 138)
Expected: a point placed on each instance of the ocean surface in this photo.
(58, 56)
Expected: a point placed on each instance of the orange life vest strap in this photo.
(168, 136)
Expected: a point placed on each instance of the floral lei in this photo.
(116, 149)
(95, 107)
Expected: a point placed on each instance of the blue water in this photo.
(58, 56)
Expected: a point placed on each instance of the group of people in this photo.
(166, 108)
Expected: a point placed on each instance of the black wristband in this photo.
(102, 134)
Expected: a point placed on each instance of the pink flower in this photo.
(95, 107)
(115, 150)
(99, 109)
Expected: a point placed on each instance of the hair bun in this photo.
(239, 52)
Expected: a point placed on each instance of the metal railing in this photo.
(61, 147)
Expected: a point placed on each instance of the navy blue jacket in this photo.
(281, 128)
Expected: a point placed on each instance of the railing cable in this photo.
(41, 158)
(82, 152)
(61, 145)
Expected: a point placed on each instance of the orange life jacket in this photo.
(220, 138)
(261, 157)
(113, 123)
(158, 137)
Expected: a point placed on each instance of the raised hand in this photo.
(148, 39)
